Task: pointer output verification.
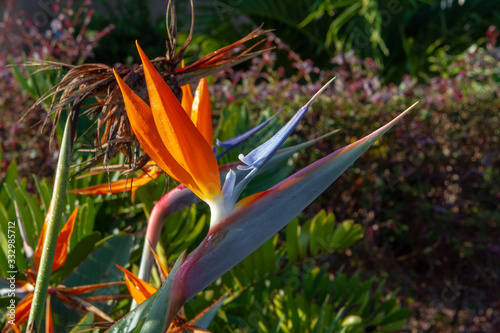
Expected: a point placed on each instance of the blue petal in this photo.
(233, 142)
(258, 157)
(227, 188)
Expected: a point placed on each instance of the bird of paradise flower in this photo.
(237, 228)
(199, 110)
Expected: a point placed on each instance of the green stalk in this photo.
(53, 228)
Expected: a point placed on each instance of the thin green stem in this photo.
(53, 228)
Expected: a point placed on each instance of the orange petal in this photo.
(201, 114)
(139, 289)
(86, 288)
(118, 186)
(187, 98)
(22, 313)
(62, 243)
(41, 240)
(142, 122)
(121, 185)
(15, 329)
(179, 135)
(49, 325)
(163, 268)
(216, 55)
(39, 247)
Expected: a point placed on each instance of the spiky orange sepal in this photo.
(61, 252)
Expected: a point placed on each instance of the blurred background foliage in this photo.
(424, 200)
(401, 36)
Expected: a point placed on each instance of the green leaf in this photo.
(291, 307)
(304, 238)
(76, 256)
(352, 320)
(397, 315)
(9, 179)
(34, 208)
(184, 227)
(292, 242)
(316, 233)
(396, 326)
(98, 267)
(248, 270)
(5, 302)
(333, 325)
(44, 191)
(318, 327)
(270, 263)
(157, 316)
(134, 318)
(84, 223)
(4, 220)
(18, 75)
(328, 231)
(205, 318)
(28, 224)
(84, 324)
(346, 234)
(196, 230)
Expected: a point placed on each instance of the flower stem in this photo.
(52, 231)
(175, 200)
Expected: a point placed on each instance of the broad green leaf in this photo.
(98, 267)
(76, 256)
